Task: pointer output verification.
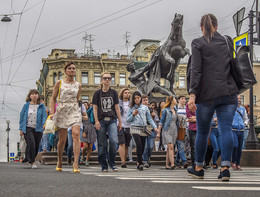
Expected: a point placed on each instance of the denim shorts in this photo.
(124, 136)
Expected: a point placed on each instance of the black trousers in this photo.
(140, 145)
(33, 140)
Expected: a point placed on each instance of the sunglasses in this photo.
(107, 78)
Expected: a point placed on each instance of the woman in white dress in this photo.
(67, 113)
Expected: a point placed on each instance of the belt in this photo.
(238, 130)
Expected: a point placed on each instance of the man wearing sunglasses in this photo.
(106, 112)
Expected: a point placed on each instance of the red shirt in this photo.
(189, 114)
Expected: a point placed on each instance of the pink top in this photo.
(189, 114)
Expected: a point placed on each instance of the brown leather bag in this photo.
(181, 132)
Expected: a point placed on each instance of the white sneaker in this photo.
(34, 166)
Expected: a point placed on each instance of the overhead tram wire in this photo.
(16, 39)
(17, 92)
(3, 49)
(29, 42)
(93, 22)
(33, 6)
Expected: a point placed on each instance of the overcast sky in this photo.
(48, 24)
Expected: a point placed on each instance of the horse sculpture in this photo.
(164, 61)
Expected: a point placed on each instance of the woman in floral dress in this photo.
(67, 113)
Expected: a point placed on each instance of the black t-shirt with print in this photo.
(106, 102)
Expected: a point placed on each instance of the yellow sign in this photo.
(241, 40)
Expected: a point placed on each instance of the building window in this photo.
(54, 78)
(113, 79)
(59, 76)
(242, 99)
(122, 79)
(182, 82)
(254, 100)
(84, 98)
(97, 78)
(255, 120)
(84, 78)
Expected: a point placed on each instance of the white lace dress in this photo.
(68, 113)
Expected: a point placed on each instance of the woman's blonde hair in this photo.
(32, 91)
(168, 101)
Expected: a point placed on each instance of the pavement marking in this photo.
(248, 179)
(228, 188)
(209, 182)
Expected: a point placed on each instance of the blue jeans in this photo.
(149, 143)
(215, 141)
(44, 144)
(225, 107)
(245, 137)
(237, 150)
(192, 135)
(70, 142)
(107, 131)
(181, 152)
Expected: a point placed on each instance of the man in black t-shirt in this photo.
(106, 111)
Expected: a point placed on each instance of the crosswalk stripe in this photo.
(209, 182)
(228, 188)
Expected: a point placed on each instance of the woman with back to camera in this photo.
(32, 119)
(212, 87)
(67, 113)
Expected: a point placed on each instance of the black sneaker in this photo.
(224, 175)
(141, 168)
(215, 167)
(25, 160)
(195, 174)
(123, 165)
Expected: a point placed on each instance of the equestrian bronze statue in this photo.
(163, 63)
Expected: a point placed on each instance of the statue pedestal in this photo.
(157, 99)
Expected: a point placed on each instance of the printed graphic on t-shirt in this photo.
(106, 104)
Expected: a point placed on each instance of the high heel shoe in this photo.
(75, 170)
(58, 169)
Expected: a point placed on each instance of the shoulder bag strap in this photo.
(59, 90)
(240, 114)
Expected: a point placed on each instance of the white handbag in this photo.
(49, 126)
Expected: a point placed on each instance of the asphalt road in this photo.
(19, 180)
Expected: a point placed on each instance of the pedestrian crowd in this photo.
(210, 124)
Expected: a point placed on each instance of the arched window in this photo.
(54, 78)
(59, 76)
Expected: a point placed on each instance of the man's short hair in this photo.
(179, 97)
(143, 97)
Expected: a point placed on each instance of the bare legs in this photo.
(170, 155)
(76, 145)
(123, 151)
(61, 144)
(87, 148)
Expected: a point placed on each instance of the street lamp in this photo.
(6, 19)
(7, 144)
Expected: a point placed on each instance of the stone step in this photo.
(50, 158)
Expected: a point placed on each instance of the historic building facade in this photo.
(88, 71)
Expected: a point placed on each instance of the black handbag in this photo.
(241, 69)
